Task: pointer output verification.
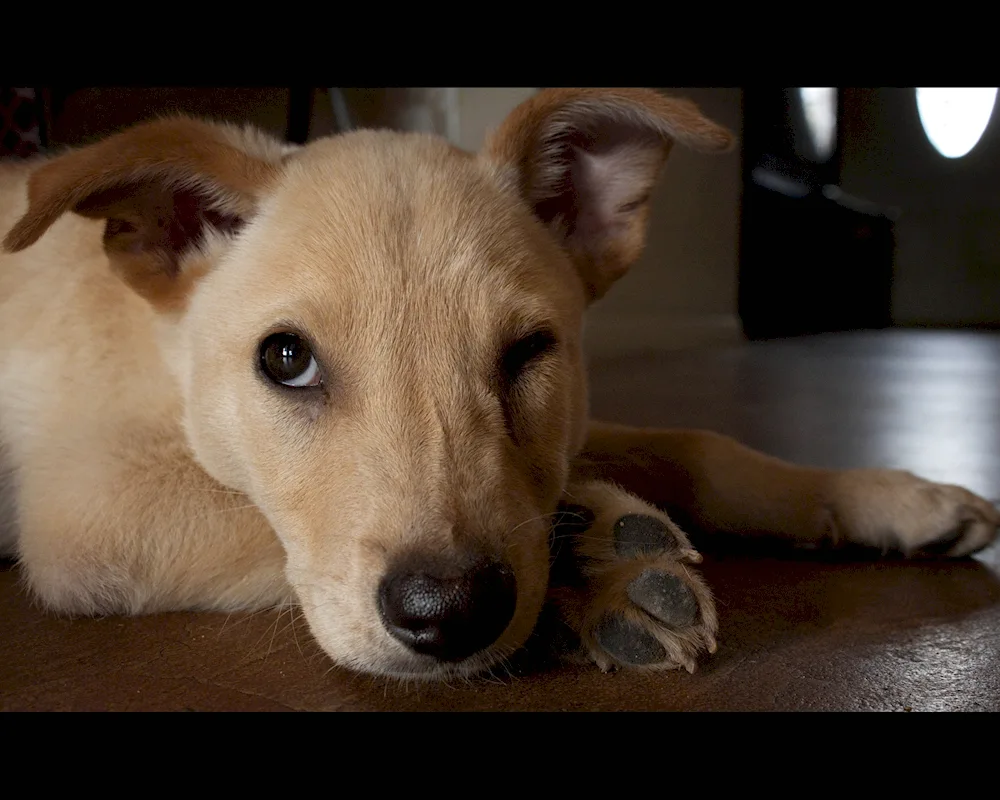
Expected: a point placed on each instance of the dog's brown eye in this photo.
(524, 351)
(287, 359)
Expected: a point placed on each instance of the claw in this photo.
(606, 666)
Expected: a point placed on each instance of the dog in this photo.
(238, 373)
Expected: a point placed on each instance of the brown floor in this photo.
(797, 632)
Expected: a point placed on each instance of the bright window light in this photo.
(820, 107)
(955, 119)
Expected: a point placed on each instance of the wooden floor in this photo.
(797, 632)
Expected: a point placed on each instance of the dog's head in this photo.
(377, 338)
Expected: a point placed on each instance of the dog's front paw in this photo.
(898, 511)
(622, 580)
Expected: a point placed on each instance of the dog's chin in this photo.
(429, 670)
(396, 662)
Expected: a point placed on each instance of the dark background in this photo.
(907, 238)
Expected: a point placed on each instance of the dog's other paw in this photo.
(623, 582)
(898, 511)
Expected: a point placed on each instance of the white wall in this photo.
(481, 110)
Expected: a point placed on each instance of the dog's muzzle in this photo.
(445, 611)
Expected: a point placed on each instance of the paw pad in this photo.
(641, 534)
(628, 642)
(664, 596)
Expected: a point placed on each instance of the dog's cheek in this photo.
(221, 397)
(335, 519)
(577, 398)
(334, 571)
(550, 418)
(343, 625)
(529, 555)
(210, 427)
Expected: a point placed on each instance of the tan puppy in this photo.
(349, 375)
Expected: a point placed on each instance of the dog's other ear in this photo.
(161, 186)
(586, 160)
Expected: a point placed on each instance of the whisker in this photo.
(533, 519)
(208, 490)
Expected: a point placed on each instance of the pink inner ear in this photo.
(590, 181)
(609, 185)
(592, 172)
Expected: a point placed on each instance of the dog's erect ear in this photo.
(160, 185)
(586, 161)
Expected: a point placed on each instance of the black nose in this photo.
(445, 616)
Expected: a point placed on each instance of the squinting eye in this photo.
(523, 352)
(286, 359)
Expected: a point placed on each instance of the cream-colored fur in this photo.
(153, 467)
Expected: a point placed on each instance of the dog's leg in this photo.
(622, 576)
(718, 485)
(622, 580)
(130, 530)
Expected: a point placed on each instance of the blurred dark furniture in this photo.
(78, 115)
(812, 259)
